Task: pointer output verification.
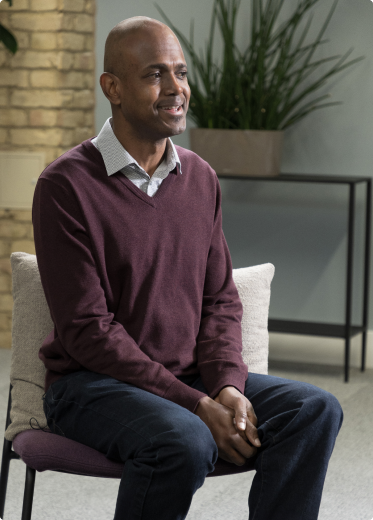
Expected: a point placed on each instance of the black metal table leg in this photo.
(368, 225)
(349, 279)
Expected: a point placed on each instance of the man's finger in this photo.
(252, 434)
(251, 431)
(240, 415)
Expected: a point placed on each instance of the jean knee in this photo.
(327, 409)
(195, 446)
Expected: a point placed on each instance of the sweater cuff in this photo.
(183, 395)
(229, 379)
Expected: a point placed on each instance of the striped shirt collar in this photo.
(117, 158)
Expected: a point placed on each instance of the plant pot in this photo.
(239, 152)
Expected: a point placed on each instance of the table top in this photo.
(300, 177)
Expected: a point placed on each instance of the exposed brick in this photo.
(44, 41)
(4, 136)
(76, 80)
(43, 5)
(3, 57)
(24, 215)
(90, 7)
(51, 153)
(84, 23)
(4, 97)
(5, 266)
(40, 117)
(37, 21)
(89, 42)
(43, 98)
(83, 99)
(20, 5)
(76, 6)
(84, 61)
(35, 59)
(65, 60)
(44, 78)
(6, 302)
(14, 78)
(89, 119)
(5, 339)
(37, 136)
(71, 118)
(23, 39)
(4, 247)
(5, 321)
(13, 117)
(81, 134)
(68, 138)
(25, 246)
(11, 229)
(5, 282)
(67, 23)
(30, 233)
(71, 41)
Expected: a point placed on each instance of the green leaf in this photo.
(270, 83)
(8, 39)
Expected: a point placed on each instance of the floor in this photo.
(348, 491)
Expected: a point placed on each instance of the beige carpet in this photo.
(348, 492)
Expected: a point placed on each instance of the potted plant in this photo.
(7, 37)
(243, 102)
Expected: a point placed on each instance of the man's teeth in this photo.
(172, 108)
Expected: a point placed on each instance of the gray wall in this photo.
(301, 229)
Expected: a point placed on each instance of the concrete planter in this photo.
(239, 152)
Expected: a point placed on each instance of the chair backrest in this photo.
(32, 323)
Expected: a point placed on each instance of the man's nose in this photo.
(172, 85)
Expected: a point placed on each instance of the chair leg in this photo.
(5, 463)
(28, 494)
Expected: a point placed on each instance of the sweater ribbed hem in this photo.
(228, 379)
(183, 395)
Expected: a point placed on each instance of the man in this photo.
(144, 363)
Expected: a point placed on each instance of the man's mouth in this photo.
(173, 109)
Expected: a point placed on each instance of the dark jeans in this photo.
(168, 451)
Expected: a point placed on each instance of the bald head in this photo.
(129, 31)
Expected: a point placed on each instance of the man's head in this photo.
(145, 79)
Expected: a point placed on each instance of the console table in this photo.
(345, 330)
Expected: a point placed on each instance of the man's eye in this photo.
(183, 74)
(157, 74)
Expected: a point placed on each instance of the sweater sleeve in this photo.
(86, 333)
(219, 342)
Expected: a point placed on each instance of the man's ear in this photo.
(110, 87)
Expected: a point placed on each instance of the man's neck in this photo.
(148, 154)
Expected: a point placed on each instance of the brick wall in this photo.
(16, 234)
(47, 88)
(46, 104)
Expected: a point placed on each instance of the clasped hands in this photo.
(232, 422)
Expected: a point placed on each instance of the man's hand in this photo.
(245, 419)
(219, 419)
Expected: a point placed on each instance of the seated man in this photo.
(144, 363)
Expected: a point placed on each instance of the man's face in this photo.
(154, 90)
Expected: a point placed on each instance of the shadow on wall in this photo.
(301, 229)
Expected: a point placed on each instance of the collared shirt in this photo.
(116, 158)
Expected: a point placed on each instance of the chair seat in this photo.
(47, 451)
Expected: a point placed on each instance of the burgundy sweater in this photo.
(139, 288)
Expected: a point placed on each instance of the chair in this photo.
(45, 451)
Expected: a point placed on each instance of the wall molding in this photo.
(317, 350)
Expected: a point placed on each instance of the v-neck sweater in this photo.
(139, 288)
